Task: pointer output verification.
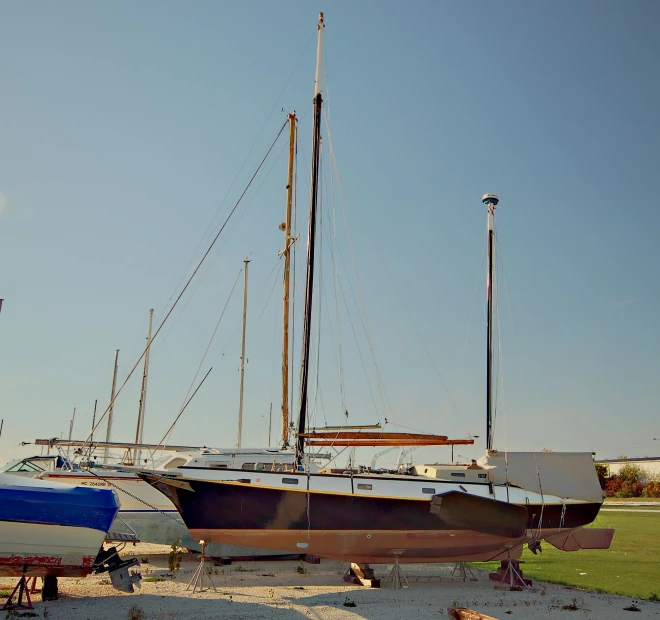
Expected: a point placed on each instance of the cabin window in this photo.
(458, 474)
(177, 462)
(248, 466)
(428, 490)
(30, 466)
(365, 487)
(218, 466)
(290, 480)
(482, 475)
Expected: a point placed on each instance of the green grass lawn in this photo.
(631, 566)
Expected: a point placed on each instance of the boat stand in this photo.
(23, 588)
(201, 573)
(399, 580)
(463, 569)
(510, 575)
(361, 576)
(32, 582)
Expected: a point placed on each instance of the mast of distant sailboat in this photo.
(108, 431)
(311, 238)
(143, 392)
(243, 360)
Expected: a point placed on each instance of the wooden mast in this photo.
(491, 201)
(288, 242)
(311, 238)
(243, 361)
(108, 432)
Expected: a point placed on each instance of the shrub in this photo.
(630, 489)
(175, 557)
(632, 473)
(613, 486)
(601, 471)
(652, 489)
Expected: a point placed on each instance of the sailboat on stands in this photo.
(484, 511)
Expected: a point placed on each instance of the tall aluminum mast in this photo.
(311, 238)
(491, 201)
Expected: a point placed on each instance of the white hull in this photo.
(61, 550)
(134, 494)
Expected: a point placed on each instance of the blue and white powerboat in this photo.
(52, 529)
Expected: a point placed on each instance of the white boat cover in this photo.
(569, 475)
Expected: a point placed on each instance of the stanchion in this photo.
(463, 569)
(399, 580)
(22, 588)
(201, 573)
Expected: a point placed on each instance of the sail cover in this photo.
(563, 474)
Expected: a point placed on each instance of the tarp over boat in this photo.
(563, 474)
(28, 500)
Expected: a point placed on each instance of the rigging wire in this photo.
(272, 383)
(222, 203)
(277, 267)
(499, 383)
(355, 336)
(335, 279)
(224, 242)
(379, 381)
(333, 340)
(199, 367)
(259, 295)
(190, 279)
(331, 237)
(428, 354)
(496, 362)
(319, 293)
(472, 305)
(222, 245)
(185, 406)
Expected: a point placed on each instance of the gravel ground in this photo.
(295, 590)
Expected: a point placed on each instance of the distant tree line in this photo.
(631, 481)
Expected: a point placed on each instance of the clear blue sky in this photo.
(124, 126)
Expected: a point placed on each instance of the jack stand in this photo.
(32, 582)
(463, 569)
(22, 587)
(510, 575)
(197, 580)
(361, 576)
(399, 580)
